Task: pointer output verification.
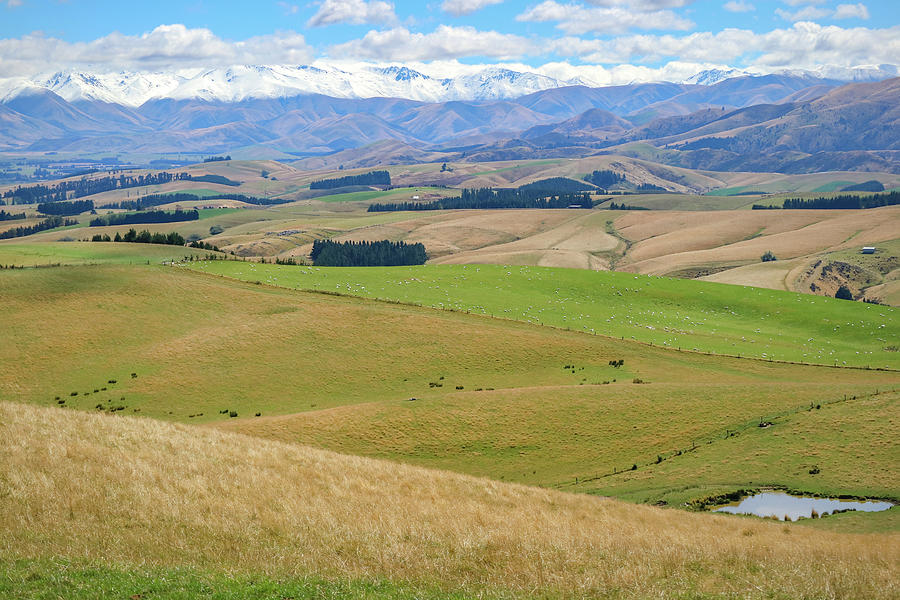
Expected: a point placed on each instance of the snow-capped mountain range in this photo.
(244, 82)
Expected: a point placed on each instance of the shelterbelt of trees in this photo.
(8, 216)
(152, 200)
(87, 187)
(152, 216)
(66, 209)
(371, 178)
(383, 253)
(485, 198)
(845, 201)
(48, 223)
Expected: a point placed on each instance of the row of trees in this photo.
(48, 223)
(489, 198)
(143, 237)
(86, 187)
(605, 178)
(153, 216)
(8, 216)
(66, 208)
(845, 201)
(383, 253)
(623, 206)
(371, 178)
(152, 200)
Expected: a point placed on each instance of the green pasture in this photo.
(76, 253)
(588, 438)
(673, 313)
(847, 440)
(394, 195)
(833, 186)
(208, 213)
(736, 191)
(492, 397)
(83, 580)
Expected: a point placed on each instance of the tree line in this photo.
(846, 201)
(489, 198)
(86, 187)
(65, 208)
(48, 223)
(371, 178)
(383, 253)
(623, 206)
(604, 178)
(8, 216)
(152, 216)
(152, 200)
(143, 237)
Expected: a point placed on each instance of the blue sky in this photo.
(652, 37)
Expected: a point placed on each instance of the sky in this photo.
(606, 41)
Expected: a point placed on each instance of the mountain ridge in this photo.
(770, 122)
(243, 82)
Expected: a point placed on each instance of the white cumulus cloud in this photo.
(851, 11)
(804, 45)
(640, 5)
(169, 47)
(445, 42)
(738, 6)
(577, 19)
(801, 2)
(466, 7)
(353, 12)
(807, 13)
(804, 14)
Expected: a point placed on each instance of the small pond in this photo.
(786, 507)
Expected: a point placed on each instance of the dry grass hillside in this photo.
(684, 235)
(667, 241)
(138, 492)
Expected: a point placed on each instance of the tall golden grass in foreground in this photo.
(132, 491)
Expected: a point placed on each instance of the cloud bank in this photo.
(624, 58)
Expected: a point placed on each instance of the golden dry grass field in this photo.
(130, 492)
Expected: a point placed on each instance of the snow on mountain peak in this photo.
(241, 82)
(714, 76)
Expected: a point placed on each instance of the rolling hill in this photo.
(96, 497)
